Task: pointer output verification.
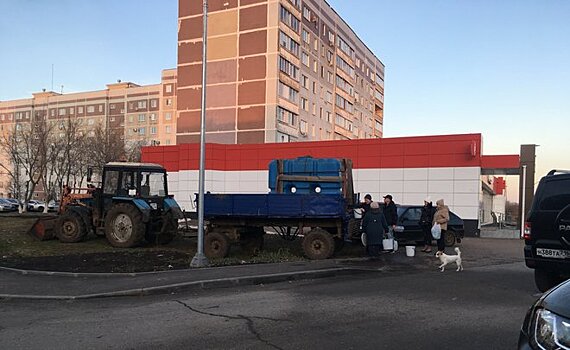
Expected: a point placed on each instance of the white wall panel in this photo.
(467, 186)
(466, 173)
(367, 174)
(392, 174)
(368, 186)
(445, 186)
(390, 187)
(465, 199)
(415, 174)
(416, 187)
(440, 174)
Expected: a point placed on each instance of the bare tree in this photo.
(27, 148)
(133, 150)
(105, 145)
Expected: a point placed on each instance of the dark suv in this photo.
(547, 231)
(410, 230)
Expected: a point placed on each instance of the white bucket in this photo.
(388, 244)
(410, 250)
(395, 245)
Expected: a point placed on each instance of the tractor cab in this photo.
(134, 180)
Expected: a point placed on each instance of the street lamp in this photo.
(200, 260)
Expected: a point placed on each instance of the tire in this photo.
(251, 241)
(318, 244)
(124, 227)
(216, 245)
(41, 209)
(70, 227)
(449, 238)
(545, 279)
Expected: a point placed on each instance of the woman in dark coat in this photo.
(426, 220)
(374, 225)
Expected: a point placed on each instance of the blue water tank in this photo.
(306, 167)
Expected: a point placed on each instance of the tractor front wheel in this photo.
(124, 227)
(70, 227)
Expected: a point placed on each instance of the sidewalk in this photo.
(17, 284)
(45, 285)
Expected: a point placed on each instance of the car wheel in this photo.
(449, 238)
(546, 279)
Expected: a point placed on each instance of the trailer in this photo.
(308, 197)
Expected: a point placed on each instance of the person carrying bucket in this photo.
(374, 225)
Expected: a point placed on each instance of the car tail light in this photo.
(526, 234)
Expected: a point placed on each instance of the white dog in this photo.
(448, 259)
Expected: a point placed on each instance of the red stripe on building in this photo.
(500, 162)
(398, 152)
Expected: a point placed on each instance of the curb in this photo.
(204, 284)
(135, 274)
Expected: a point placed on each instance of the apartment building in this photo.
(143, 114)
(278, 71)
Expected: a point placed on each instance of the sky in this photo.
(499, 68)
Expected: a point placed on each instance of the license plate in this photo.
(553, 253)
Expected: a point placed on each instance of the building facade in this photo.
(140, 114)
(278, 71)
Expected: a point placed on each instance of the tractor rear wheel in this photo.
(318, 244)
(70, 227)
(124, 227)
(170, 231)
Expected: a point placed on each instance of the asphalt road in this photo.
(479, 308)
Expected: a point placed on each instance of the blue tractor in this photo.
(131, 205)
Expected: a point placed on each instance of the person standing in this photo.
(391, 214)
(426, 220)
(366, 205)
(441, 217)
(374, 225)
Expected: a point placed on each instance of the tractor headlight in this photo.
(551, 331)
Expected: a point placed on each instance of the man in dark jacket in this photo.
(390, 213)
(426, 220)
(374, 225)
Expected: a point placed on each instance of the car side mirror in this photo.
(89, 174)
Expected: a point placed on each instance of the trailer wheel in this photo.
(70, 227)
(318, 244)
(124, 227)
(216, 245)
(251, 241)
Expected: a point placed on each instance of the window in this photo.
(344, 104)
(90, 122)
(378, 126)
(168, 141)
(168, 102)
(315, 66)
(111, 182)
(167, 129)
(153, 130)
(142, 131)
(344, 47)
(80, 110)
(142, 117)
(286, 116)
(344, 66)
(330, 77)
(379, 96)
(344, 85)
(304, 104)
(314, 109)
(168, 88)
(288, 68)
(305, 81)
(307, 13)
(168, 116)
(328, 97)
(305, 59)
(100, 108)
(331, 37)
(555, 195)
(314, 87)
(288, 92)
(306, 36)
(329, 117)
(321, 113)
(288, 43)
(152, 117)
(153, 103)
(141, 104)
(131, 119)
(90, 109)
(288, 18)
(61, 111)
(296, 3)
(303, 127)
(316, 45)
